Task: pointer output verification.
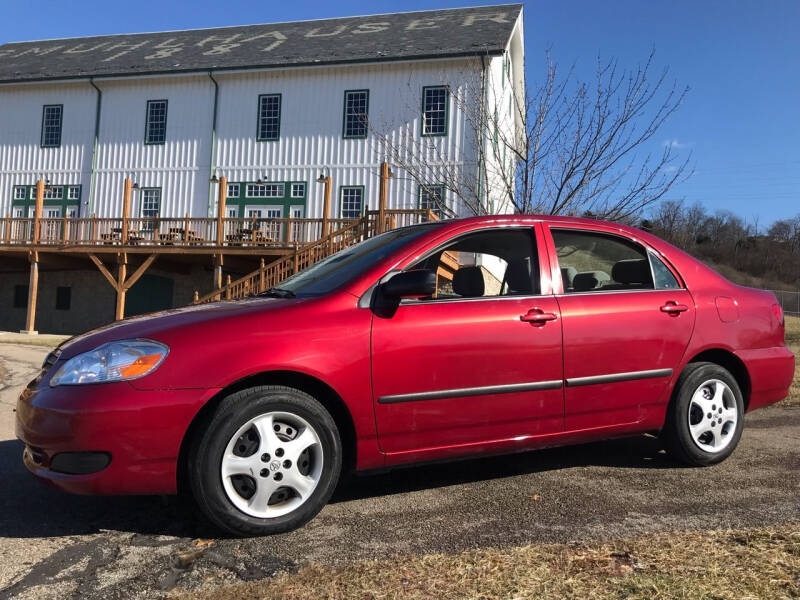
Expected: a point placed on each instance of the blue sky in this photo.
(741, 59)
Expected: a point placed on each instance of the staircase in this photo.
(272, 274)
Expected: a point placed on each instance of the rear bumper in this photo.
(771, 373)
(138, 432)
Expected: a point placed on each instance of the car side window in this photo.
(664, 279)
(485, 264)
(591, 261)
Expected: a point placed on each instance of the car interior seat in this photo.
(468, 282)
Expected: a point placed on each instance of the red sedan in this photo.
(442, 340)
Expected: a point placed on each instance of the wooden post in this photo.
(186, 228)
(37, 211)
(95, 234)
(122, 271)
(33, 292)
(382, 198)
(218, 262)
(8, 228)
(296, 260)
(261, 282)
(126, 210)
(228, 288)
(196, 297)
(326, 207)
(221, 208)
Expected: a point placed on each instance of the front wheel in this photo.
(706, 416)
(267, 462)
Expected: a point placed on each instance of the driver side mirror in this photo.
(409, 284)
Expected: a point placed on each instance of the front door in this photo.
(51, 229)
(626, 326)
(462, 368)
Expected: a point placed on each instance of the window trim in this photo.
(279, 96)
(147, 122)
(141, 201)
(341, 198)
(535, 253)
(556, 264)
(60, 125)
(344, 116)
(421, 189)
(446, 88)
(291, 190)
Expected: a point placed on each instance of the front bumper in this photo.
(140, 433)
(771, 372)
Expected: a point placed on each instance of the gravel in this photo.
(60, 546)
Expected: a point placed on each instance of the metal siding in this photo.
(22, 159)
(180, 166)
(311, 134)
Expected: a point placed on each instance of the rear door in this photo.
(626, 321)
(463, 368)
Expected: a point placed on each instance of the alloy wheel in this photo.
(713, 416)
(272, 465)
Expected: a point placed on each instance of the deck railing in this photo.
(158, 231)
(349, 232)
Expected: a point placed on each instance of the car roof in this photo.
(532, 218)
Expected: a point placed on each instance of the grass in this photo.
(761, 563)
(793, 341)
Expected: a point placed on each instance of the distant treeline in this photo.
(737, 249)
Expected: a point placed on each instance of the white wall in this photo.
(22, 160)
(311, 133)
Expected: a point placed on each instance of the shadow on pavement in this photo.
(30, 508)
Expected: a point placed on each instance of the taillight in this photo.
(778, 312)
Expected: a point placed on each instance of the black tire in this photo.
(676, 435)
(208, 447)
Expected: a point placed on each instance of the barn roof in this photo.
(458, 32)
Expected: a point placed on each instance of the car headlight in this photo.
(115, 361)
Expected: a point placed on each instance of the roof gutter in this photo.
(262, 67)
(481, 128)
(212, 157)
(93, 177)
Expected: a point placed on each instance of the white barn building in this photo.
(270, 107)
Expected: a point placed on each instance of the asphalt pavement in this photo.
(54, 545)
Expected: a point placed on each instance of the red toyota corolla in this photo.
(441, 340)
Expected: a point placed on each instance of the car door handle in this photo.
(537, 315)
(673, 308)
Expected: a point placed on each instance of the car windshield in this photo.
(344, 266)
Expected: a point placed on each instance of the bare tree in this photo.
(569, 147)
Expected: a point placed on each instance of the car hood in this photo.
(156, 325)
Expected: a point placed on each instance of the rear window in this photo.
(591, 261)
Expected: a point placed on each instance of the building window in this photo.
(63, 297)
(74, 192)
(269, 117)
(264, 190)
(233, 190)
(51, 125)
(155, 131)
(20, 296)
(299, 190)
(432, 197)
(434, 110)
(151, 206)
(356, 113)
(352, 201)
(19, 192)
(52, 192)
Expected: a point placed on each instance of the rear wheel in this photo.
(706, 416)
(267, 462)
